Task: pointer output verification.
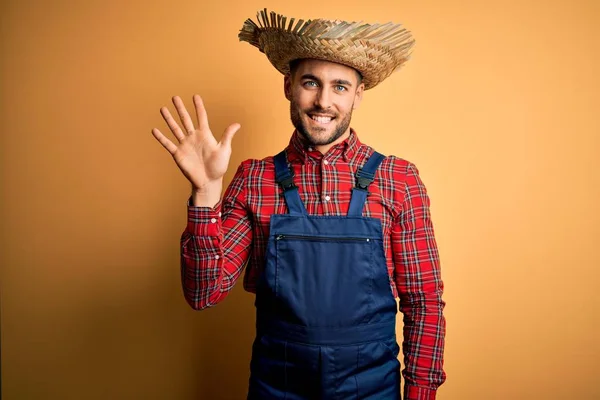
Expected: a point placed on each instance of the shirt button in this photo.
(327, 198)
(310, 149)
(217, 257)
(213, 220)
(325, 162)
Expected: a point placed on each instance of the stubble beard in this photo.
(341, 128)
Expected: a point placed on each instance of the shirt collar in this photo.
(298, 148)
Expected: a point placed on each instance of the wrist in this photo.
(207, 187)
(207, 195)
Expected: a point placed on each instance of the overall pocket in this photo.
(324, 281)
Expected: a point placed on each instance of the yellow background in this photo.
(499, 108)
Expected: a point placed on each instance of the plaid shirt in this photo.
(219, 242)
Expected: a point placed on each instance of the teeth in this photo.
(322, 120)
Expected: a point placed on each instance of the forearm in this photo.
(202, 258)
(423, 344)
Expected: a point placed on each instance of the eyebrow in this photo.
(337, 81)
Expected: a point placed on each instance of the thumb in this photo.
(229, 133)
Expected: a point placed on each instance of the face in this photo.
(322, 97)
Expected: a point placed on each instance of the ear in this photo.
(358, 95)
(287, 87)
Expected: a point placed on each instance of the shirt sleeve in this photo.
(420, 288)
(215, 246)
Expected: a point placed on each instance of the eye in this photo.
(340, 88)
(310, 84)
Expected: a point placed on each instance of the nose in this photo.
(323, 99)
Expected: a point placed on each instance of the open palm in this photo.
(198, 155)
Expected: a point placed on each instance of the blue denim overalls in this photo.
(326, 316)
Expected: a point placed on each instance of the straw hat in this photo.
(375, 50)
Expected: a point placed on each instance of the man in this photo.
(329, 230)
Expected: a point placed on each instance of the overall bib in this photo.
(326, 316)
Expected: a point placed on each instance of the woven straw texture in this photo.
(375, 50)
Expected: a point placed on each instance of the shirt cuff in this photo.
(204, 221)
(418, 393)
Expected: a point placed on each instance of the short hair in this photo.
(294, 66)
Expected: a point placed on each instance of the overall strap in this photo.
(285, 178)
(364, 177)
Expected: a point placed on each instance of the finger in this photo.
(228, 134)
(187, 122)
(167, 144)
(200, 112)
(173, 125)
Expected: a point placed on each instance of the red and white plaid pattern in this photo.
(218, 243)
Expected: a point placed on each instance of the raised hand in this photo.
(198, 155)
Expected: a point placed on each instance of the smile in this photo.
(324, 120)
